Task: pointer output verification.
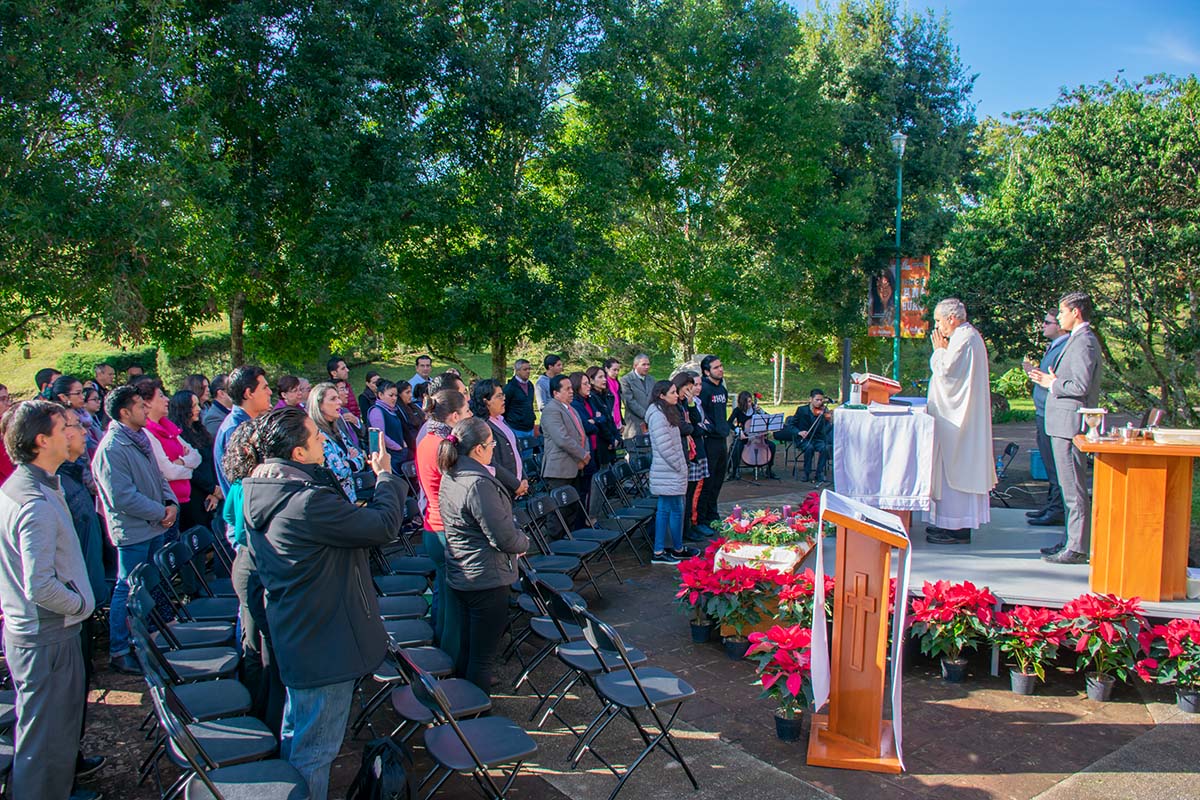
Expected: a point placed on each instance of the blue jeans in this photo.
(669, 520)
(314, 725)
(128, 557)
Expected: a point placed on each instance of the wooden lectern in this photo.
(877, 389)
(1141, 517)
(854, 734)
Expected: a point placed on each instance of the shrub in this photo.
(1013, 384)
(83, 365)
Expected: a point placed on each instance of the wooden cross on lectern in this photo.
(854, 734)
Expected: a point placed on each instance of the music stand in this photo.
(761, 425)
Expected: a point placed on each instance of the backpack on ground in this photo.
(382, 774)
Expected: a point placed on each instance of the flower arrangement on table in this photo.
(766, 538)
(1104, 630)
(1031, 636)
(1174, 654)
(784, 666)
(951, 617)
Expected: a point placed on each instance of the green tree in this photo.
(1097, 193)
(501, 246)
(889, 71)
(714, 161)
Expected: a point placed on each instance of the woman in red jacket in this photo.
(444, 409)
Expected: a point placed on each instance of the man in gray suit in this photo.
(566, 452)
(635, 388)
(1073, 383)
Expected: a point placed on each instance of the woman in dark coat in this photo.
(482, 546)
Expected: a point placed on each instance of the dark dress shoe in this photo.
(86, 766)
(85, 794)
(1047, 520)
(1066, 557)
(1054, 548)
(943, 536)
(1037, 512)
(125, 664)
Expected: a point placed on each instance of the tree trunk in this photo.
(237, 325)
(499, 357)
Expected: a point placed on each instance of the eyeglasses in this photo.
(75, 394)
(73, 425)
(1051, 321)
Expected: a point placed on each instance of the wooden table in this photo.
(1141, 517)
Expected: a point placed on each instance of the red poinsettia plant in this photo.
(951, 617)
(1030, 635)
(1174, 654)
(797, 598)
(1104, 630)
(784, 665)
(736, 599)
(697, 583)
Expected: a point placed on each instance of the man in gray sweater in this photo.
(45, 595)
(138, 504)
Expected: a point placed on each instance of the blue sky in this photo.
(1025, 51)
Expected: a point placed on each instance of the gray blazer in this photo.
(1076, 384)
(133, 493)
(562, 442)
(636, 392)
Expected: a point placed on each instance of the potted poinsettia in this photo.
(1032, 637)
(1174, 659)
(696, 585)
(797, 597)
(1104, 630)
(950, 618)
(784, 672)
(736, 602)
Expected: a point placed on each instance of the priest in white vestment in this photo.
(960, 403)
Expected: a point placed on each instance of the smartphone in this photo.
(373, 439)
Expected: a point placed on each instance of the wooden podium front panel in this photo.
(860, 638)
(1141, 515)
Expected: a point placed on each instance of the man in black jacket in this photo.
(714, 400)
(310, 544)
(518, 400)
(813, 435)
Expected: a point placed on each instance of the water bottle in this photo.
(999, 465)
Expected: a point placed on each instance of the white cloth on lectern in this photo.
(960, 402)
(884, 460)
(819, 649)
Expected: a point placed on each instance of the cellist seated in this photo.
(814, 434)
(747, 407)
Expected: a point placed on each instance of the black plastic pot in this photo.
(701, 633)
(735, 648)
(1188, 700)
(1022, 683)
(789, 729)
(1100, 687)
(954, 670)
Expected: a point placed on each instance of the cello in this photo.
(756, 452)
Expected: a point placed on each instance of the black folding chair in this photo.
(182, 666)
(542, 519)
(180, 577)
(465, 699)
(435, 661)
(470, 746)
(207, 777)
(175, 635)
(627, 690)
(541, 628)
(200, 540)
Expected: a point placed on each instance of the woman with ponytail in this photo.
(445, 409)
(482, 546)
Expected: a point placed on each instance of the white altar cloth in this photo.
(884, 459)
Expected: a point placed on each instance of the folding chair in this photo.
(433, 660)
(222, 549)
(626, 691)
(541, 511)
(542, 628)
(576, 655)
(174, 635)
(181, 666)
(470, 746)
(1003, 495)
(625, 476)
(171, 560)
(201, 541)
(565, 565)
(206, 778)
(566, 497)
(464, 699)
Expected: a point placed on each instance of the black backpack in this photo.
(382, 775)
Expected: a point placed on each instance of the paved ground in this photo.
(973, 741)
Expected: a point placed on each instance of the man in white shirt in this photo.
(960, 402)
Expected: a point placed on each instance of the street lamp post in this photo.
(898, 142)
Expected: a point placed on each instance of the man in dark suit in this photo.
(518, 401)
(1052, 513)
(1073, 383)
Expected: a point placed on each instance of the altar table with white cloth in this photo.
(884, 458)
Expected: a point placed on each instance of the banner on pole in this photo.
(881, 306)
